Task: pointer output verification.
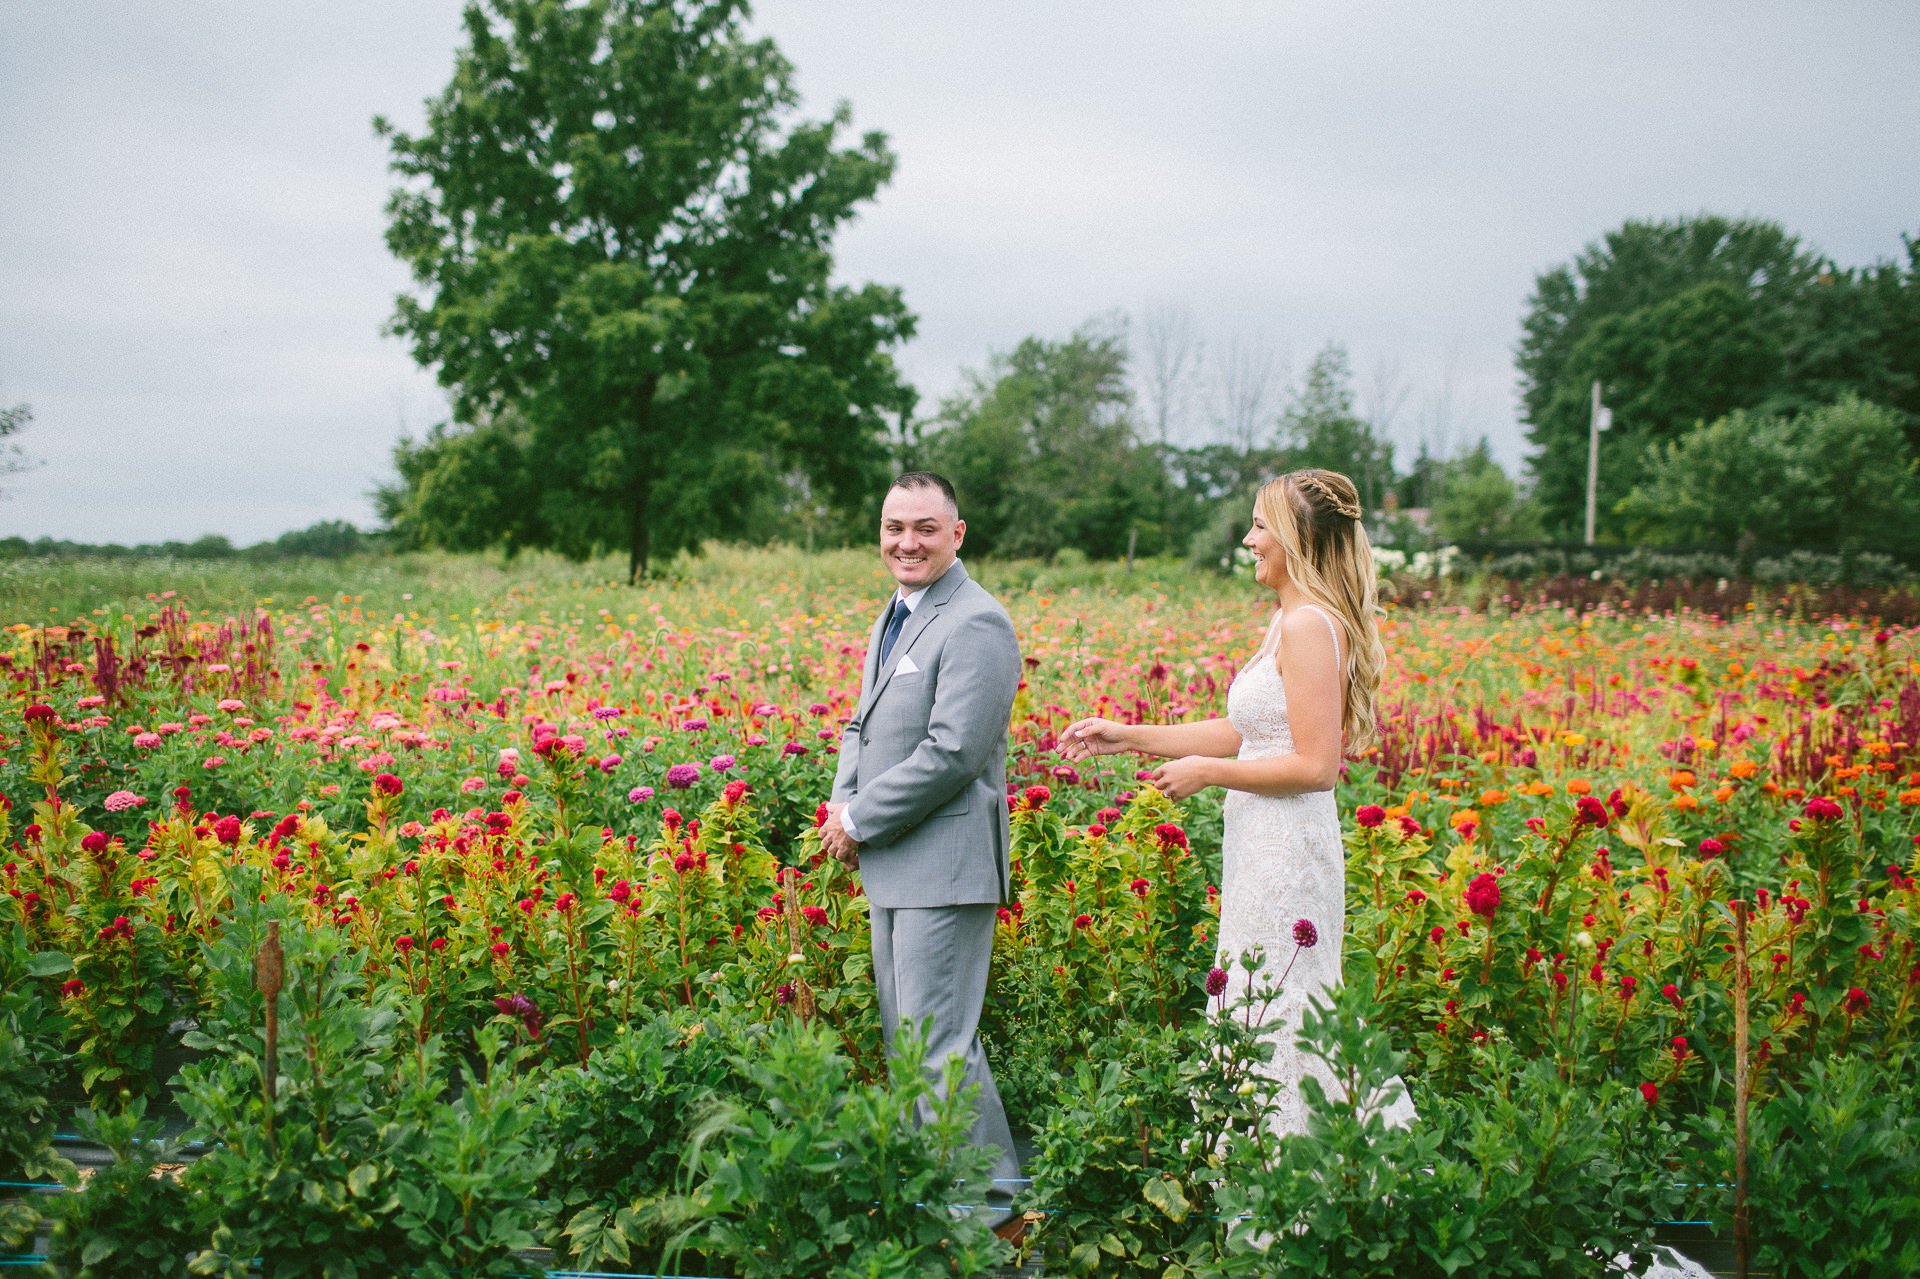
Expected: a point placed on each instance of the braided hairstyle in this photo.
(1316, 517)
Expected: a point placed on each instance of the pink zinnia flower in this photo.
(121, 800)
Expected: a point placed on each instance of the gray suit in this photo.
(923, 775)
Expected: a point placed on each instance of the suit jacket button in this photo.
(866, 741)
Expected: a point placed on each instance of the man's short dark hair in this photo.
(928, 480)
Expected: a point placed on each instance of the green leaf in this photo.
(1165, 1194)
(49, 962)
(362, 1180)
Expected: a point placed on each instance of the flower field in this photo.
(536, 845)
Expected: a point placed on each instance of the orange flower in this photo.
(1910, 797)
(1492, 798)
(1462, 817)
(1743, 768)
(1685, 802)
(1723, 794)
(1579, 786)
(1681, 779)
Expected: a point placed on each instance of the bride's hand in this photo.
(1092, 736)
(1179, 778)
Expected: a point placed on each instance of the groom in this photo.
(919, 802)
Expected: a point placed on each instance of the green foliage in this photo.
(1687, 320)
(1319, 428)
(130, 1220)
(1124, 1168)
(1477, 501)
(1834, 1171)
(359, 1164)
(1042, 448)
(29, 1051)
(1519, 1173)
(813, 1174)
(1836, 478)
(617, 1127)
(622, 241)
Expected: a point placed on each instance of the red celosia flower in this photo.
(227, 830)
(403, 944)
(1821, 809)
(94, 841)
(387, 784)
(1483, 895)
(1140, 887)
(1082, 921)
(815, 915)
(1712, 848)
(1590, 812)
(1169, 836)
(1856, 1002)
(735, 791)
(1370, 815)
(1671, 993)
(40, 712)
(72, 987)
(1650, 1093)
(1037, 797)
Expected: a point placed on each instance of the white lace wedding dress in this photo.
(1283, 861)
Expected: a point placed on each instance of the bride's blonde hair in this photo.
(1316, 517)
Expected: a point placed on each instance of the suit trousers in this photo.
(930, 965)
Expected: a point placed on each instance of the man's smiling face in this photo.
(920, 535)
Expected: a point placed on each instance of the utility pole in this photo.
(1600, 420)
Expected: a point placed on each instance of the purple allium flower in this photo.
(1305, 935)
(1216, 981)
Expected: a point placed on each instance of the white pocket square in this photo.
(906, 666)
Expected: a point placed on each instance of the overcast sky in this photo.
(193, 281)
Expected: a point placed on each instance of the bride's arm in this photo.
(1313, 691)
(1094, 736)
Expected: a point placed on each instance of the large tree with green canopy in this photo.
(1684, 321)
(621, 234)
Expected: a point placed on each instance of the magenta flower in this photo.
(1216, 981)
(681, 776)
(1305, 935)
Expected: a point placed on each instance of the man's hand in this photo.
(835, 841)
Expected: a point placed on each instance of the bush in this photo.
(1833, 1172)
(617, 1127)
(813, 1174)
(1520, 1173)
(132, 1218)
(29, 1044)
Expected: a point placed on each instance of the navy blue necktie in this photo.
(897, 612)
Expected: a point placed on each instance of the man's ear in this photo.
(959, 533)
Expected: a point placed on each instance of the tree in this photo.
(1479, 502)
(1686, 320)
(1837, 477)
(1042, 448)
(1319, 428)
(621, 239)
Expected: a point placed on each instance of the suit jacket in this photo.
(923, 761)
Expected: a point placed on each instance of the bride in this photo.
(1305, 699)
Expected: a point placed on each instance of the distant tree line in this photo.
(328, 539)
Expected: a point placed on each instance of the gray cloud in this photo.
(190, 226)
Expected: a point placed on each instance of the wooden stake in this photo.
(269, 970)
